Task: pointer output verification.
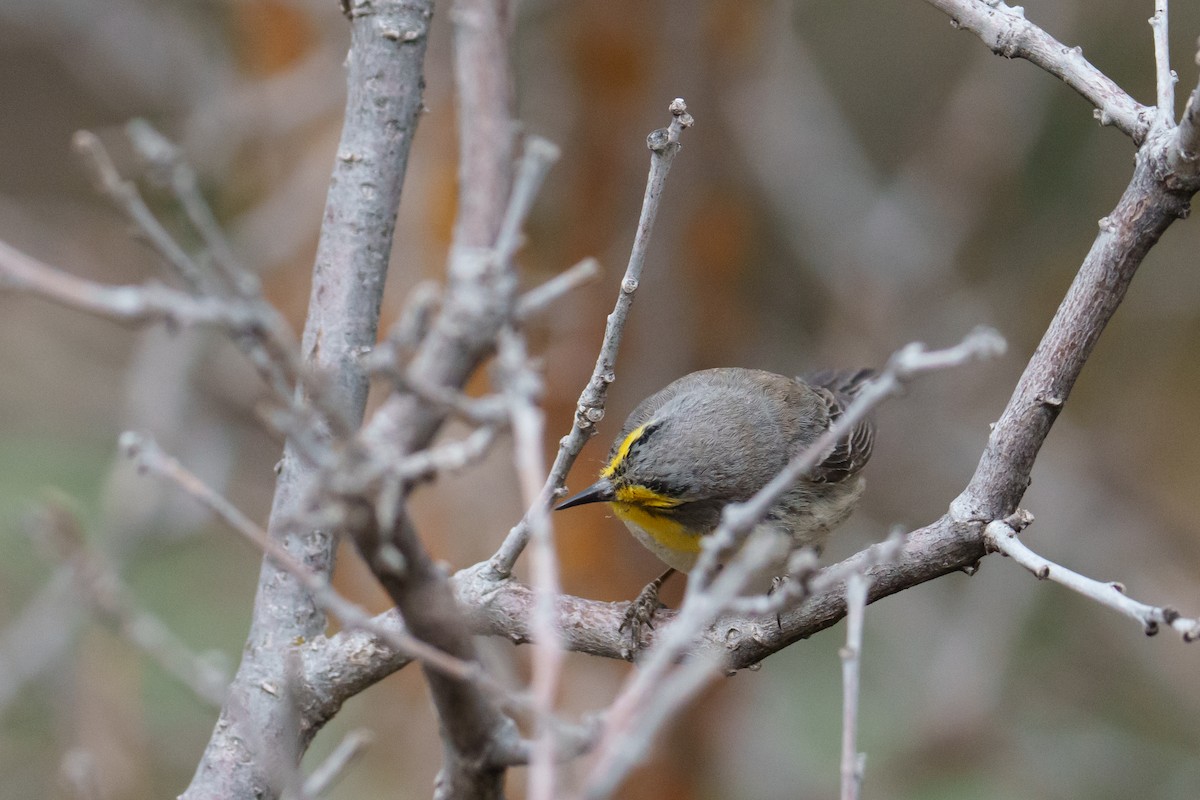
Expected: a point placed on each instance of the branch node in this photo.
(1019, 520)
(659, 141)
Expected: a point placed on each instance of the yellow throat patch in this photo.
(641, 506)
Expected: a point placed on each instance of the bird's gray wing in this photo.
(838, 388)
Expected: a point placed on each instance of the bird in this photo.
(716, 437)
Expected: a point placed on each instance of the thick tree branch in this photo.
(482, 285)
(382, 105)
(480, 300)
(1005, 30)
(343, 663)
(1148, 206)
(478, 737)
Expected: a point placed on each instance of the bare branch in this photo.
(22, 272)
(504, 606)
(1186, 144)
(853, 762)
(486, 130)
(384, 98)
(528, 424)
(112, 601)
(536, 159)
(150, 458)
(447, 458)
(254, 325)
(807, 580)
(1146, 208)
(658, 689)
(477, 735)
(1001, 537)
(270, 347)
(331, 769)
(351, 660)
(1005, 30)
(169, 167)
(637, 732)
(1164, 76)
(125, 195)
(480, 299)
(539, 298)
(663, 144)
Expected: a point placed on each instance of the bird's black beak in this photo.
(599, 492)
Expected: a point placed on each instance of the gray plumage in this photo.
(719, 435)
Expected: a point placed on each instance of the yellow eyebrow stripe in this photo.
(623, 451)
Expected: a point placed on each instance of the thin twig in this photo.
(663, 144)
(1164, 76)
(652, 694)
(1005, 30)
(266, 339)
(447, 458)
(1002, 537)
(150, 303)
(334, 766)
(270, 346)
(149, 457)
(168, 165)
(807, 580)
(537, 157)
(112, 601)
(125, 195)
(620, 755)
(1186, 142)
(528, 423)
(853, 762)
(541, 297)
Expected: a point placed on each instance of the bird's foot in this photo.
(641, 611)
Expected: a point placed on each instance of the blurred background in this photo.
(860, 175)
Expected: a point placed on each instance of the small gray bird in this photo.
(716, 437)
